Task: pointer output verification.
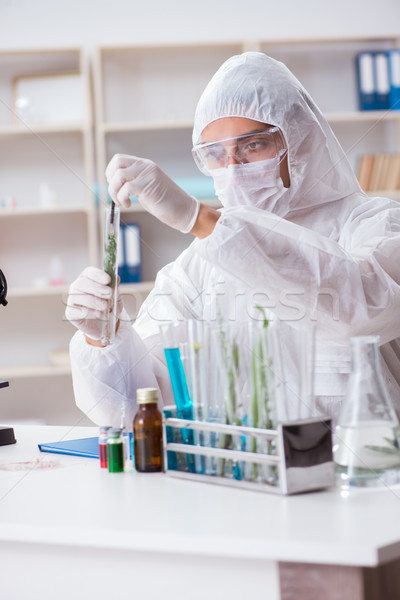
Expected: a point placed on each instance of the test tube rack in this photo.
(301, 460)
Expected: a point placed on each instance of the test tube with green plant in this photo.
(262, 407)
(229, 359)
(110, 265)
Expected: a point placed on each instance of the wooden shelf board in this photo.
(30, 371)
(144, 126)
(138, 288)
(363, 115)
(24, 211)
(393, 194)
(29, 291)
(61, 290)
(32, 129)
(332, 117)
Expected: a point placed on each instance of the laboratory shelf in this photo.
(363, 116)
(27, 129)
(143, 104)
(142, 287)
(37, 291)
(393, 194)
(48, 220)
(143, 126)
(332, 117)
(40, 211)
(29, 371)
(370, 115)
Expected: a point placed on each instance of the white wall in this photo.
(60, 23)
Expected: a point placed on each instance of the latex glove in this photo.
(156, 192)
(88, 300)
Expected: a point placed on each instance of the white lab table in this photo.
(73, 530)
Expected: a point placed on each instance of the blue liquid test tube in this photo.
(180, 390)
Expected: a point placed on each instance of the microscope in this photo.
(6, 433)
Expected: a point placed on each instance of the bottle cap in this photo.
(147, 395)
(114, 432)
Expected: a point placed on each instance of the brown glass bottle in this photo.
(148, 432)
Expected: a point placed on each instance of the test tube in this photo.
(110, 265)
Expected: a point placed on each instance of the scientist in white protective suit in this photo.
(296, 234)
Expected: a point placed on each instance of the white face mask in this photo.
(256, 184)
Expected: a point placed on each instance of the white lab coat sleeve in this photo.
(105, 379)
(300, 273)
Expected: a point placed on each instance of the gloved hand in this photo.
(88, 300)
(156, 192)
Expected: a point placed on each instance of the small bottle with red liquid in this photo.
(103, 439)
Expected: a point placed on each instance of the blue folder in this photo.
(382, 80)
(88, 447)
(394, 75)
(366, 82)
(373, 80)
(130, 258)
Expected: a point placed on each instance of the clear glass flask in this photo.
(366, 448)
(110, 265)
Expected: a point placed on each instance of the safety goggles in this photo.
(250, 147)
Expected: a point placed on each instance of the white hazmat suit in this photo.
(320, 249)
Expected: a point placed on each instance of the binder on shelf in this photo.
(394, 79)
(382, 80)
(366, 81)
(130, 259)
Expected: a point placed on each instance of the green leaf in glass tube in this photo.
(110, 257)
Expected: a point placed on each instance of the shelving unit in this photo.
(144, 102)
(332, 61)
(48, 223)
(146, 97)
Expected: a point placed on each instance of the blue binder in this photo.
(382, 80)
(130, 260)
(366, 81)
(394, 79)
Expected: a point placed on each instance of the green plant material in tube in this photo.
(110, 257)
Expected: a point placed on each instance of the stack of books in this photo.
(379, 172)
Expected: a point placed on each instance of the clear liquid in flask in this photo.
(367, 453)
